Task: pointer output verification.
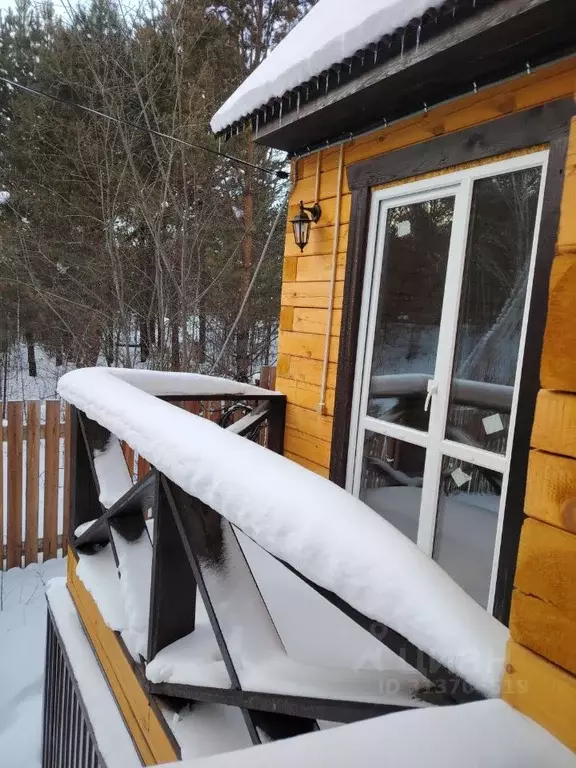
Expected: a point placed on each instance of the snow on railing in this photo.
(324, 533)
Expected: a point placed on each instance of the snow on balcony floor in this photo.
(22, 650)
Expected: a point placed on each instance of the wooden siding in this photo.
(540, 677)
(306, 280)
(541, 670)
(141, 718)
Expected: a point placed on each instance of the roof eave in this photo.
(495, 42)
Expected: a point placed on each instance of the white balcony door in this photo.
(447, 288)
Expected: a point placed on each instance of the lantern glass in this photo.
(301, 226)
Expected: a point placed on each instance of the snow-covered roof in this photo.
(331, 32)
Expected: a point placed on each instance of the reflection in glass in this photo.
(409, 310)
(492, 308)
(468, 505)
(391, 484)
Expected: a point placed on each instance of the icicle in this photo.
(281, 110)
(298, 102)
(338, 69)
(220, 143)
(475, 86)
(528, 68)
(425, 108)
(327, 82)
(350, 67)
(402, 43)
(257, 122)
(375, 54)
(418, 33)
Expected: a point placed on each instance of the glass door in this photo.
(446, 292)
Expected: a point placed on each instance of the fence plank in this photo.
(1, 494)
(14, 532)
(129, 456)
(32, 481)
(50, 548)
(143, 467)
(67, 478)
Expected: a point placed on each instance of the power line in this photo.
(143, 129)
(249, 289)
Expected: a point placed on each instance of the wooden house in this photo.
(427, 342)
(426, 365)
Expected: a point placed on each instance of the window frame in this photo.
(459, 184)
(549, 125)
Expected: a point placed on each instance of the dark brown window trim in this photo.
(547, 124)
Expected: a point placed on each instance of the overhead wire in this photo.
(249, 289)
(279, 174)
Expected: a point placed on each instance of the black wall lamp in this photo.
(301, 223)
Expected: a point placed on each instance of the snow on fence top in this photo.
(332, 31)
(326, 534)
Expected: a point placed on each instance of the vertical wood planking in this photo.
(32, 481)
(1, 496)
(67, 478)
(129, 456)
(51, 466)
(14, 532)
(143, 467)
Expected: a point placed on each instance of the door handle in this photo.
(432, 390)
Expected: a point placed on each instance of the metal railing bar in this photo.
(216, 628)
(450, 687)
(251, 421)
(134, 501)
(310, 708)
(211, 397)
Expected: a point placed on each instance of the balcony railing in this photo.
(196, 548)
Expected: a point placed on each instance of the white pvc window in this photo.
(449, 271)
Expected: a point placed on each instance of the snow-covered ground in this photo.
(22, 645)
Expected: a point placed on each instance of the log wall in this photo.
(540, 677)
(306, 279)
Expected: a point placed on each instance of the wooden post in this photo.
(268, 377)
(51, 466)
(84, 503)
(143, 467)
(277, 424)
(129, 456)
(32, 481)
(173, 590)
(14, 522)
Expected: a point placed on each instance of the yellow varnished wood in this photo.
(558, 366)
(541, 691)
(146, 730)
(544, 629)
(554, 427)
(306, 284)
(546, 566)
(551, 490)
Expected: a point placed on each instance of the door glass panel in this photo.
(468, 505)
(409, 309)
(492, 304)
(391, 482)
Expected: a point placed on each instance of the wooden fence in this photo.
(34, 483)
(35, 477)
